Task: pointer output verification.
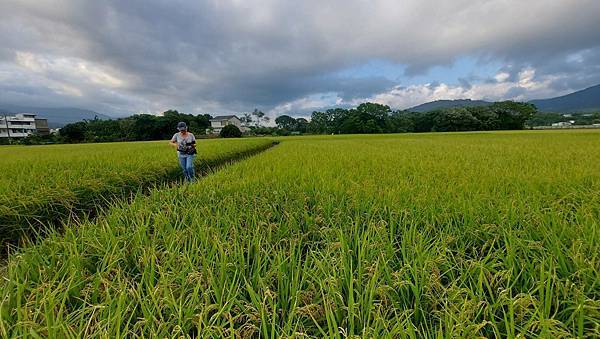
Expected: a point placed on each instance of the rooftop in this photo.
(223, 117)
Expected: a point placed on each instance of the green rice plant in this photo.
(43, 185)
(399, 236)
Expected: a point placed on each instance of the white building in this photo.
(19, 125)
(563, 123)
(217, 123)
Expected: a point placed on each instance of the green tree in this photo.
(373, 111)
(74, 132)
(302, 125)
(454, 119)
(145, 127)
(351, 122)
(513, 115)
(231, 131)
(335, 119)
(423, 122)
(400, 121)
(488, 119)
(286, 122)
(318, 123)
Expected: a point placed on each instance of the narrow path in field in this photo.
(77, 213)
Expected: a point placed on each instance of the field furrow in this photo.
(43, 186)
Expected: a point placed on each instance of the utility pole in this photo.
(7, 130)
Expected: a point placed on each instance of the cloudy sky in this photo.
(291, 57)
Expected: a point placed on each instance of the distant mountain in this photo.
(587, 100)
(57, 117)
(438, 104)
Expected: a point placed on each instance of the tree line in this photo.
(140, 127)
(134, 128)
(377, 118)
(365, 118)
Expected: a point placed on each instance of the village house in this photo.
(217, 123)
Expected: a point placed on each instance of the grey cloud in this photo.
(515, 92)
(465, 83)
(568, 70)
(231, 55)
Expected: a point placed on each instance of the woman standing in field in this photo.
(185, 142)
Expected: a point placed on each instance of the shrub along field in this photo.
(43, 185)
(433, 235)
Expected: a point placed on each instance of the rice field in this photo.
(44, 185)
(400, 236)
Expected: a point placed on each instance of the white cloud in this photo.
(502, 76)
(235, 55)
(75, 70)
(526, 87)
(306, 104)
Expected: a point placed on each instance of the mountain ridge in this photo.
(582, 101)
(585, 100)
(438, 104)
